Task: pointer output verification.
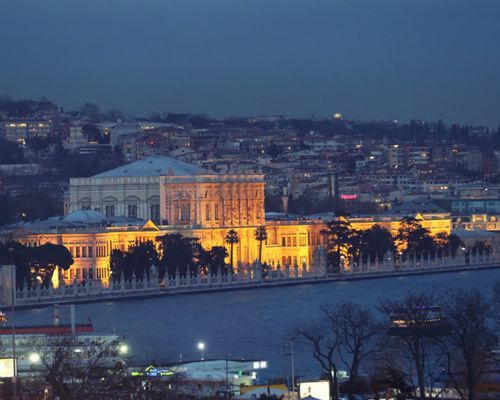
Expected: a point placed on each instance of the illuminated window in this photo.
(286, 261)
(216, 212)
(207, 212)
(302, 240)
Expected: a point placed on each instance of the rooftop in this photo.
(412, 207)
(153, 166)
(86, 217)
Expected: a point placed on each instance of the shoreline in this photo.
(263, 285)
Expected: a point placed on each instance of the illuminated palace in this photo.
(159, 195)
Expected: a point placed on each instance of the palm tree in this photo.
(216, 256)
(340, 236)
(260, 236)
(231, 239)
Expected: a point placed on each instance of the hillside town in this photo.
(310, 166)
(101, 205)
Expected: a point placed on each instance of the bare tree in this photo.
(325, 343)
(357, 329)
(496, 303)
(384, 378)
(81, 369)
(415, 348)
(345, 332)
(470, 340)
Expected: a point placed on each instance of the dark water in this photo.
(246, 324)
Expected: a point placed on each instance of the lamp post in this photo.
(201, 347)
(292, 356)
(227, 394)
(13, 299)
(292, 361)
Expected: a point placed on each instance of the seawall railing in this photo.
(249, 276)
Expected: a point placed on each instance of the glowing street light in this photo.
(34, 358)
(201, 347)
(123, 349)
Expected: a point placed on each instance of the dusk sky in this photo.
(369, 59)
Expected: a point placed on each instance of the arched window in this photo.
(85, 203)
(154, 208)
(109, 206)
(185, 212)
(131, 204)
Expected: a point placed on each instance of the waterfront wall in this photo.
(245, 276)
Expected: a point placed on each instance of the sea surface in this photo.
(251, 324)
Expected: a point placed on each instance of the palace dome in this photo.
(86, 217)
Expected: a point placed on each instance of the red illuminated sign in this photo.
(348, 196)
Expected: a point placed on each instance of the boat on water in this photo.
(47, 329)
(37, 347)
(420, 319)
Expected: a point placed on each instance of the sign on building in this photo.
(6, 367)
(318, 389)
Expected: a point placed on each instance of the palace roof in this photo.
(154, 166)
(86, 217)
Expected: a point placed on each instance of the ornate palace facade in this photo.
(152, 197)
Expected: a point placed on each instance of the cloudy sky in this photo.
(369, 59)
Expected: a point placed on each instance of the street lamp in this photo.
(227, 392)
(201, 347)
(123, 349)
(34, 358)
(292, 361)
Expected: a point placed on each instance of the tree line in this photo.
(346, 245)
(174, 254)
(35, 265)
(421, 346)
